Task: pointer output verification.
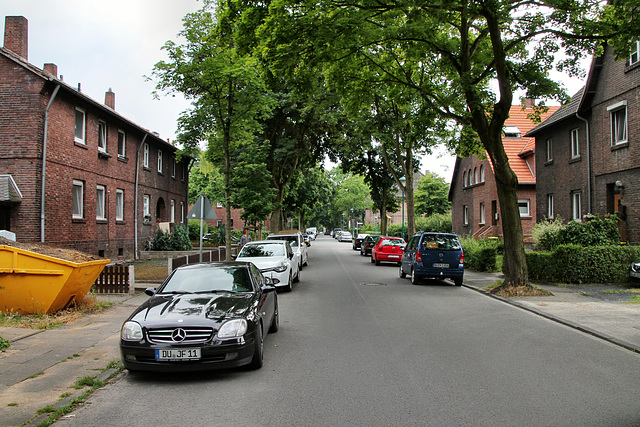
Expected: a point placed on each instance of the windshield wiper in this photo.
(215, 291)
(180, 292)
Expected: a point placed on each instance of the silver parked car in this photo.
(275, 259)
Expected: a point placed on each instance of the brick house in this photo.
(588, 156)
(73, 172)
(473, 193)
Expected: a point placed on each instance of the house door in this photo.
(5, 216)
(494, 212)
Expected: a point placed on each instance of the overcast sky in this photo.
(114, 44)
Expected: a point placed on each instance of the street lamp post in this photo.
(342, 228)
(402, 189)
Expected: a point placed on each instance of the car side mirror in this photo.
(150, 291)
(234, 256)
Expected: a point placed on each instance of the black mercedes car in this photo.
(204, 316)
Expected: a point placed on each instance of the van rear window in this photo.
(440, 243)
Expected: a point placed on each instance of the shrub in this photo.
(481, 255)
(178, 240)
(545, 234)
(594, 231)
(194, 229)
(439, 223)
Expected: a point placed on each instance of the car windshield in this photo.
(441, 243)
(292, 239)
(392, 242)
(262, 250)
(207, 279)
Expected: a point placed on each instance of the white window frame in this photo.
(527, 204)
(481, 173)
(102, 136)
(181, 212)
(465, 215)
(78, 199)
(549, 149)
(122, 143)
(101, 197)
(80, 139)
(618, 136)
(635, 54)
(482, 217)
(173, 167)
(576, 206)
(476, 178)
(145, 156)
(550, 208)
(146, 205)
(159, 161)
(173, 211)
(575, 144)
(119, 204)
(464, 179)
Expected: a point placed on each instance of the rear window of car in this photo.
(293, 240)
(392, 242)
(440, 243)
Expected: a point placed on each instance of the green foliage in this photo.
(440, 223)
(194, 229)
(4, 344)
(432, 195)
(594, 231)
(579, 264)
(482, 255)
(178, 240)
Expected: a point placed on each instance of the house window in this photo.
(575, 144)
(80, 126)
(146, 202)
(465, 215)
(464, 179)
(119, 205)
(618, 114)
(122, 140)
(523, 207)
(78, 199)
(100, 206)
(549, 205)
(173, 210)
(549, 146)
(635, 53)
(481, 213)
(102, 136)
(182, 212)
(145, 161)
(470, 178)
(481, 173)
(173, 167)
(160, 161)
(576, 205)
(475, 175)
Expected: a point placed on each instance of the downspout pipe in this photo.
(44, 160)
(586, 124)
(135, 202)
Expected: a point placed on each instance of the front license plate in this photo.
(178, 354)
(440, 265)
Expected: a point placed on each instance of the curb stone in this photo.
(560, 320)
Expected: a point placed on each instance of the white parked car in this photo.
(275, 259)
(345, 236)
(297, 244)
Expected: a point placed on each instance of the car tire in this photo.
(275, 322)
(415, 279)
(457, 281)
(361, 252)
(306, 263)
(297, 278)
(401, 272)
(258, 351)
(377, 261)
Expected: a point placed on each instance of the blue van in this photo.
(433, 256)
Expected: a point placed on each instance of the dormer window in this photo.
(511, 132)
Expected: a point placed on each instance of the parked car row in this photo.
(427, 255)
(214, 315)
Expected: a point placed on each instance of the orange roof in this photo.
(514, 147)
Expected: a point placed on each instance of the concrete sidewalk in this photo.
(42, 365)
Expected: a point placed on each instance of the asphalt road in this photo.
(358, 346)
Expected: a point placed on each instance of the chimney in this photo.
(16, 35)
(110, 99)
(529, 103)
(51, 69)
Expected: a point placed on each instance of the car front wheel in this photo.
(258, 351)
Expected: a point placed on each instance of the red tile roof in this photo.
(517, 148)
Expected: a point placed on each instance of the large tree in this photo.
(432, 195)
(471, 56)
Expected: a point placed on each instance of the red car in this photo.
(388, 249)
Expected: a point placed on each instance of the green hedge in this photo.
(579, 264)
(482, 255)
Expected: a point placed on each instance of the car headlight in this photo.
(233, 329)
(131, 331)
(278, 269)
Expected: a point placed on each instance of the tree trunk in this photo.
(276, 215)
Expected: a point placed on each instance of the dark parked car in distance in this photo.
(204, 316)
(434, 256)
(367, 244)
(357, 241)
